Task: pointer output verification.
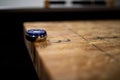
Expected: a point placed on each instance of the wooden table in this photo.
(77, 50)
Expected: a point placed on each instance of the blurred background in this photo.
(15, 60)
(29, 4)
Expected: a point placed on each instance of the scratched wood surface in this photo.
(77, 50)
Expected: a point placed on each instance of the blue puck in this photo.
(33, 34)
(37, 32)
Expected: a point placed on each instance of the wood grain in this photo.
(77, 50)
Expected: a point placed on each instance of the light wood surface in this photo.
(77, 50)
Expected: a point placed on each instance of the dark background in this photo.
(15, 62)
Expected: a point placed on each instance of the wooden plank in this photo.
(103, 34)
(89, 50)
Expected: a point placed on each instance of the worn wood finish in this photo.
(77, 50)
